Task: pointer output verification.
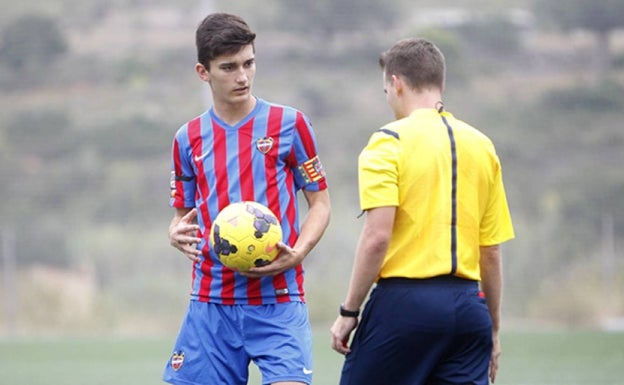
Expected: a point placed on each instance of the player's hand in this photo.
(496, 352)
(340, 333)
(286, 259)
(183, 236)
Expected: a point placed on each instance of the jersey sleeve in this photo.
(182, 182)
(307, 167)
(496, 226)
(378, 171)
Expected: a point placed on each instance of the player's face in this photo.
(231, 76)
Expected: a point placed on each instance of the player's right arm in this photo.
(183, 233)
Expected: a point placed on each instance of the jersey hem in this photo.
(246, 302)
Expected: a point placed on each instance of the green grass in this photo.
(529, 358)
(566, 358)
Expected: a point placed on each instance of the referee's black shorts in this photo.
(425, 331)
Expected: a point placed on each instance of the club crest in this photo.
(177, 359)
(264, 145)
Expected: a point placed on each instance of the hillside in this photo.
(85, 139)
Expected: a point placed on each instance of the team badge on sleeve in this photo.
(172, 184)
(312, 170)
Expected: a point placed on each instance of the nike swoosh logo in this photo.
(202, 156)
(307, 371)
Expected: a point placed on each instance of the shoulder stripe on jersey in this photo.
(453, 196)
(389, 132)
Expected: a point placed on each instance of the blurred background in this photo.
(93, 91)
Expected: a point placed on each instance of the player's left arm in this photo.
(492, 285)
(314, 224)
(312, 229)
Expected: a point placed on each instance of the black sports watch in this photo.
(349, 313)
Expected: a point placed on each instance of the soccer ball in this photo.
(244, 235)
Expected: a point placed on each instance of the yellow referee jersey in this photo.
(444, 178)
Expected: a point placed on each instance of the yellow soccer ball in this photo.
(244, 235)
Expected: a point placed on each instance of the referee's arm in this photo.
(369, 255)
(492, 284)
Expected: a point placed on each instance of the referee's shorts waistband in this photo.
(439, 280)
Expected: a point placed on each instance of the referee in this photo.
(436, 213)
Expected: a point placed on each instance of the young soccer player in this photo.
(243, 148)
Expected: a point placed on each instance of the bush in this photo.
(605, 97)
(32, 41)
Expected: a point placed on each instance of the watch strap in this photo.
(349, 313)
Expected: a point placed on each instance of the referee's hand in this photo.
(340, 333)
(496, 352)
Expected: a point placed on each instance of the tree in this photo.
(326, 18)
(601, 17)
(31, 41)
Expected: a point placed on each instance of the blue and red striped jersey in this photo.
(267, 157)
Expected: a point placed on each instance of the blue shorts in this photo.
(217, 342)
(421, 332)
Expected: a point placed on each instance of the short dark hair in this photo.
(417, 60)
(221, 33)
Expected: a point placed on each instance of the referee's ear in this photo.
(398, 84)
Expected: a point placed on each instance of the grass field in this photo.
(561, 358)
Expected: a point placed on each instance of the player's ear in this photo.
(397, 83)
(202, 72)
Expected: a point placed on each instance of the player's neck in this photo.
(233, 113)
(427, 99)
